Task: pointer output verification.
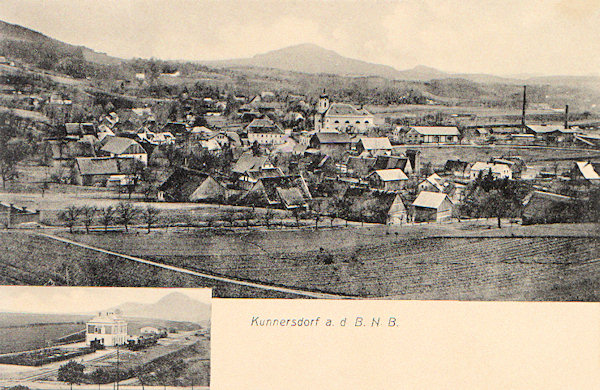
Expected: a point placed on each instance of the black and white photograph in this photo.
(410, 149)
(104, 338)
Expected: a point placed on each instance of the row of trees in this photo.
(123, 214)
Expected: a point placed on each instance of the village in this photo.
(269, 183)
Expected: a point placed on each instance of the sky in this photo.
(71, 300)
(500, 37)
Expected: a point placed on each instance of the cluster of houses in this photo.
(274, 156)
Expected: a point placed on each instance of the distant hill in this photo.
(310, 58)
(34, 47)
(175, 307)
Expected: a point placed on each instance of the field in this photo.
(22, 332)
(437, 262)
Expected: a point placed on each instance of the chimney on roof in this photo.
(524, 105)
(567, 116)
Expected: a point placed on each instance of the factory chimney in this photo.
(524, 105)
(567, 116)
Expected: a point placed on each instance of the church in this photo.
(341, 117)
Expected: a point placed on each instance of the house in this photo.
(265, 132)
(103, 171)
(107, 328)
(332, 144)
(388, 179)
(357, 166)
(374, 146)
(459, 169)
(375, 206)
(189, 185)
(124, 147)
(288, 192)
(248, 169)
(394, 162)
(11, 215)
(585, 171)
(433, 183)
(548, 207)
(432, 206)
(79, 130)
(432, 134)
(498, 171)
(551, 133)
(341, 117)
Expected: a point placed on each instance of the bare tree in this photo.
(107, 216)
(268, 217)
(248, 216)
(297, 214)
(69, 216)
(126, 213)
(88, 213)
(11, 152)
(230, 216)
(150, 216)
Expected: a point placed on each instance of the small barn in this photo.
(98, 171)
(124, 147)
(189, 185)
(332, 144)
(432, 206)
(374, 146)
(375, 206)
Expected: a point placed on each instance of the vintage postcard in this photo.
(104, 337)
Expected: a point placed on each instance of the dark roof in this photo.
(104, 166)
(263, 125)
(182, 183)
(343, 109)
(391, 162)
(291, 191)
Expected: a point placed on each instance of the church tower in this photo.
(322, 108)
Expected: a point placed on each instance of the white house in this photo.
(265, 132)
(342, 117)
(432, 134)
(124, 147)
(108, 328)
(498, 171)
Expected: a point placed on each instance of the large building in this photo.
(432, 135)
(108, 328)
(341, 117)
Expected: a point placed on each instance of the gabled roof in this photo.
(436, 130)
(332, 138)
(544, 129)
(391, 162)
(98, 166)
(119, 145)
(291, 191)
(263, 125)
(480, 166)
(430, 200)
(390, 174)
(546, 196)
(343, 109)
(182, 183)
(376, 143)
(248, 162)
(588, 170)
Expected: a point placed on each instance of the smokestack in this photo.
(567, 116)
(524, 105)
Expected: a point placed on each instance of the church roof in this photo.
(344, 109)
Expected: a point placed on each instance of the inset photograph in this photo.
(104, 338)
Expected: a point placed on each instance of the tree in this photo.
(88, 213)
(107, 216)
(150, 216)
(268, 217)
(12, 151)
(297, 214)
(230, 216)
(126, 213)
(72, 373)
(69, 216)
(316, 215)
(495, 204)
(248, 216)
